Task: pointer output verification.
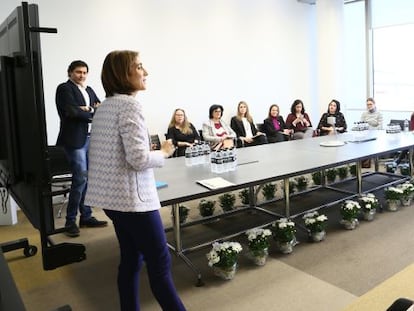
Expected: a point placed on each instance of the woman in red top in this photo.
(298, 120)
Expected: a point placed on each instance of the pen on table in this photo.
(248, 162)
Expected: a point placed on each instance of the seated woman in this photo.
(246, 131)
(298, 120)
(216, 131)
(325, 127)
(182, 133)
(274, 126)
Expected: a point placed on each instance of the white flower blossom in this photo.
(220, 250)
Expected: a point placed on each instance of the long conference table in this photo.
(267, 163)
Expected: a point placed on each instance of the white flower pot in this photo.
(285, 247)
(392, 205)
(318, 236)
(259, 259)
(406, 201)
(369, 214)
(350, 224)
(225, 273)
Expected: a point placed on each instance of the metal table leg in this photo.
(287, 196)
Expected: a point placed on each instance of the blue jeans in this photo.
(141, 238)
(78, 161)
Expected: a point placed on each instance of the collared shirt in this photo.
(87, 101)
(247, 128)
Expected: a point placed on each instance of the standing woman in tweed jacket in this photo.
(121, 181)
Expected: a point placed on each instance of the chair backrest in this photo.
(200, 132)
(59, 164)
(155, 140)
(259, 127)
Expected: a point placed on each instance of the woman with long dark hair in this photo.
(334, 114)
(298, 120)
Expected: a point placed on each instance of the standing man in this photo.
(372, 116)
(76, 103)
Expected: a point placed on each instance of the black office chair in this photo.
(200, 132)
(398, 122)
(401, 156)
(60, 175)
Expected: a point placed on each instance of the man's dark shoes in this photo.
(72, 230)
(92, 223)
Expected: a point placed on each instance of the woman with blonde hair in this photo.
(246, 131)
(181, 132)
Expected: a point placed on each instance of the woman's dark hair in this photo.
(338, 105)
(295, 103)
(115, 74)
(270, 109)
(214, 107)
(77, 63)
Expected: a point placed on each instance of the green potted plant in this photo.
(227, 201)
(268, 191)
(331, 174)
(223, 259)
(244, 196)
(283, 231)
(206, 207)
(405, 169)
(352, 169)
(316, 225)
(349, 212)
(301, 183)
(317, 178)
(183, 213)
(343, 172)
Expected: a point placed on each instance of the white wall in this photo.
(197, 53)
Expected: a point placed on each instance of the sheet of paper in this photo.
(215, 183)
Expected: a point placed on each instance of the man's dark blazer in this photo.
(73, 120)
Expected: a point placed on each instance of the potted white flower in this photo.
(258, 244)
(316, 225)
(223, 259)
(369, 204)
(349, 212)
(283, 231)
(393, 196)
(407, 195)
